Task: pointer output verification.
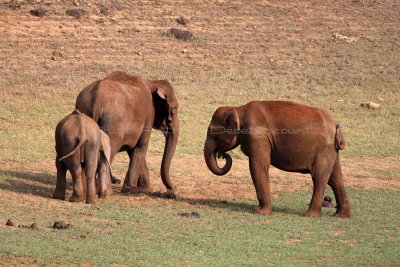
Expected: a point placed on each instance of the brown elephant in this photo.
(84, 150)
(127, 107)
(286, 135)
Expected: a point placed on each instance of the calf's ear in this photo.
(106, 146)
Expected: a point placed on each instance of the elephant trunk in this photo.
(171, 140)
(210, 156)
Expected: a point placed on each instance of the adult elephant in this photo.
(127, 107)
(289, 136)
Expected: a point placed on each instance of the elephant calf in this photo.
(289, 136)
(84, 150)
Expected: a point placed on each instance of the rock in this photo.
(114, 20)
(76, 13)
(163, 195)
(180, 34)
(327, 204)
(61, 225)
(53, 58)
(193, 214)
(38, 12)
(115, 180)
(328, 198)
(370, 105)
(184, 51)
(105, 11)
(10, 223)
(182, 20)
(33, 226)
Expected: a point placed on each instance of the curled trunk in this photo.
(210, 156)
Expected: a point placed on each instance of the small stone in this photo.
(184, 51)
(76, 3)
(115, 180)
(370, 105)
(182, 20)
(328, 198)
(193, 214)
(180, 34)
(9, 223)
(114, 20)
(53, 58)
(38, 12)
(61, 225)
(76, 13)
(33, 226)
(327, 204)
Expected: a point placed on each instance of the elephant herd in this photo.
(117, 114)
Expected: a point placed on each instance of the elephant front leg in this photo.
(136, 165)
(260, 174)
(61, 186)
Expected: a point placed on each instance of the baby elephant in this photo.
(289, 136)
(84, 150)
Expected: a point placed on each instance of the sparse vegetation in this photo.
(268, 50)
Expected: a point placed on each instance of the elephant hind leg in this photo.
(61, 185)
(78, 193)
(90, 173)
(320, 173)
(337, 185)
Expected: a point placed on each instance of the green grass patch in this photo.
(153, 233)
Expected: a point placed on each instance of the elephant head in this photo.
(166, 120)
(222, 136)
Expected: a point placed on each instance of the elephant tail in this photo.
(82, 135)
(339, 139)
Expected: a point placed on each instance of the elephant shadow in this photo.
(38, 184)
(238, 206)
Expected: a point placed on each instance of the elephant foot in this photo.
(105, 194)
(313, 213)
(130, 190)
(343, 214)
(264, 211)
(77, 199)
(91, 201)
(145, 190)
(59, 195)
(172, 190)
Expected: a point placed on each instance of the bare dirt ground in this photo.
(195, 181)
(291, 41)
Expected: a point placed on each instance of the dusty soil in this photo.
(195, 181)
(290, 41)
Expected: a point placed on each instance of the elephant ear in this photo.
(231, 120)
(166, 92)
(106, 146)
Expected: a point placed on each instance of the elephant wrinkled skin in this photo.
(286, 135)
(84, 150)
(127, 107)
